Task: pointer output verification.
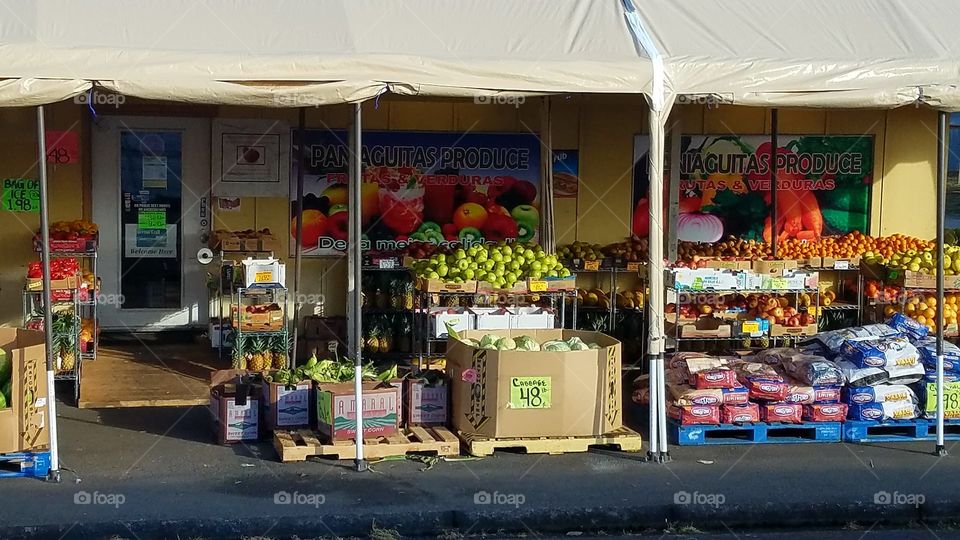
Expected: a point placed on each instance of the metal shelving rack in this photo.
(394, 267)
(424, 303)
(276, 294)
(227, 270)
(33, 318)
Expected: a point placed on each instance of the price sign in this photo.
(951, 399)
(841, 265)
(21, 195)
(633, 267)
(387, 264)
(152, 219)
(591, 265)
(530, 392)
(538, 285)
(63, 147)
(263, 277)
(778, 283)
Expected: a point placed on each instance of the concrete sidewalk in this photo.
(150, 473)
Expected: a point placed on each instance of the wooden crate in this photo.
(624, 439)
(300, 444)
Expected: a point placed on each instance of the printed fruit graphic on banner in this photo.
(470, 215)
(314, 226)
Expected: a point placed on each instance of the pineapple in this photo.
(239, 349)
(404, 330)
(407, 290)
(64, 342)
(372, 342)
(258, 360)
(386, 337)
(396, 294)
(281, 348)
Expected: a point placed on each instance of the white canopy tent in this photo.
(298, 53)
(815, 53)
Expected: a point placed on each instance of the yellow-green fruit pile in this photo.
(501, 265)
(924, 260)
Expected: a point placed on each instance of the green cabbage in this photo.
(471, 342)
(489, 341)
(593, 346)
(506, 344)
(577, 344)
(555, 346)
(3, 401)
(527, 343)
(6, 367)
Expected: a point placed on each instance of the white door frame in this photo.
(195, 204)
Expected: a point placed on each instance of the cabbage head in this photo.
(527, 343)
(506, 344)
(593, 346)
(555, 346)
(577, 344)
(471, 342)
(489, 341)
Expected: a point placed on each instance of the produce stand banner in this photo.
(440, 187)
(823, 183)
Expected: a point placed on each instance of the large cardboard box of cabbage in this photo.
(548, 393)
(23, 383)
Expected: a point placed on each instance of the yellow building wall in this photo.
(600, 127)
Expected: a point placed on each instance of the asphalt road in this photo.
(150, 473)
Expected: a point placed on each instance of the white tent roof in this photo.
(306, 52)
(849, 53)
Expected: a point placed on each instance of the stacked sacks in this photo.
(926, 388)
(877, 361)
(812, 385)
(699, 387)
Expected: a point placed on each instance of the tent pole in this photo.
(658, 442)
(547, 233)
(298, 254)
(54, 474)
(355, 264)
(941, 202)
(774, 145)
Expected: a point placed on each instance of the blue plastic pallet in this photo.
(25, 464)
(759, 433)
(918, 429)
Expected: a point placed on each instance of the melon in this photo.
(6, 367)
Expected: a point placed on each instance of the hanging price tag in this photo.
(591, 265)
(530, 393)
(538, 285)
(778, 283)
(633, 267)
(387, 264)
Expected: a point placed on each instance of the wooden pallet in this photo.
(300, 444)
(624, 439)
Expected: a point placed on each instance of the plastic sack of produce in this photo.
(878, 412)
(825, 412)
(691, 415)
(880, 352)
(905, 374)
(856, 376)
(740, 414)
(884, 393)
(790, 413)
(719, 377)
(908, 326)
(834, 339)
(813, 370)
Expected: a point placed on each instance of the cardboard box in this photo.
(287, 407)
(235, 406)
(426, 405)
(729, 265)
(250, 244)
(791, 280)
(489, 318)
(225, 241)
(536, 394)
(531, 317)
(437, 285)
(337, 410)
(840, 264)
(439, 318)
(803, 330)
(703, 279)
(272, 243)
(263, 272)
(71, 282)
(23, 425)
(520, 287)
(774, 268)
(704, 327)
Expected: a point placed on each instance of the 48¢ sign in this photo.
(530, 392)
(21, 195)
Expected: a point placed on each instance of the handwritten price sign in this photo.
(21, 195)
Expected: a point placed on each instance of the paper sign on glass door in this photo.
(154, 172)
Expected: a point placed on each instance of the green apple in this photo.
(528, 220)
